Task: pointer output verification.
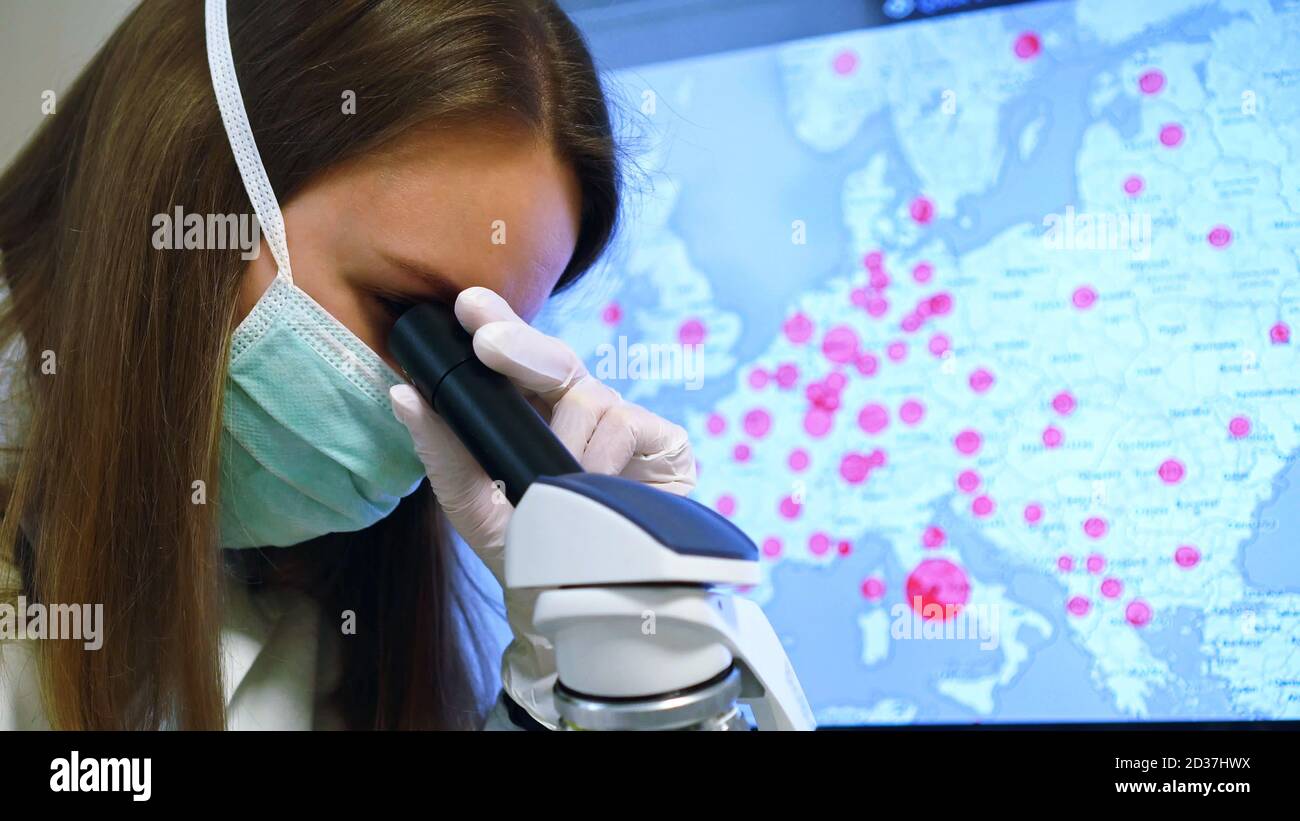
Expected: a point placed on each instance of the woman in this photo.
(204, 444)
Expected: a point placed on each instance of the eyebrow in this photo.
(444, 289)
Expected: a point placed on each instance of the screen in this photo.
(982, 328)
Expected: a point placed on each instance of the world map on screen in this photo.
(994, 319)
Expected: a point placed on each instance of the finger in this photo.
(531, 359)
(477, 306)
(576, 415)
(632, 442)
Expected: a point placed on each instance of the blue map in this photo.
(982, 328)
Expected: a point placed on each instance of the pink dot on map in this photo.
(817, 422)
(789, 508)
(1111, 588)
(873, 418)
(1078, 605)
(1151, 81)
(798, 460)
(1171, 135)
(1171, 471)
(758, 379)
(1133, 185)
(877, 306)
(1219, 236)
(726, 504)
(844, 63)
(1096, 563)
(937, 588)
(873, 260)
(691, 332)
(982, 506)
(840, 344)
(922, 272)
(933, 537)
(1033, 513)
(910, 323)
(897, 351)
(1280, 334)
(716, 424)
(1138, 613)
(981, 380)
(836, 381)
(771, 547)
(1084, 296)
(1052, 436)
(787, 375)
(879, 280)
(1187, 556)
(612, 314)
(968, 481)
(876, 458)
(1095, 527)
(922, 210)
(1027, 46)
(798, 328)
(940, 344)
(757, 423)
(967, 442)
(941, 303)
(1065, 564)
(867, 364)
(858, 297)
(844, 548)
(1239, 427)
(854, 468)
(740, 453)
(911, 412)
(1063, 403)
(818, 544)
(873, 589)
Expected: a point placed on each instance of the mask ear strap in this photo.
(222, 66)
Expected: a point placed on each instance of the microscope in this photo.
(635, 583)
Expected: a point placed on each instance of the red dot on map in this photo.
(867, 363)
(876, 458)
(716, 424)
(1052, 436)
(910, 323)
(873, 260)
(981, 380)
(726, 504)
(758, 379)
(982, 506)
(844, 548)
(1064, 564)
(798, 460)
(1280, 334)
(789, 508)
(1171, 471)
(740, 453)
(771, 547)
(840, 344)
(858, 297)
(873, 589)
(922, 272)
(1064, 403)
(1187, 556)
(1095, 563)
(1138, 613)
(691, 332)
(877, 306)
(1239, 427)
(844, 63)
(836, 381)
(937, 589)
(612, 314)
(940, 344)
(787, 376)
(873, 418)
(911, 412)
(897, 351)
(1133, 185)
(968, 481)
(1171, 135)
(854, 468)
(817, 422)
(933, 537)
(818, 544)
(1084, 297)
(967, 442)
(757, 423)
(1151, 81)
(879, 280)
(798, 328)
(1027, 46)
(941, 303)
(922, 210)
(1111, 588)
(1078, 605)
(1219, 236)
(1095, 527)
(1033, 513)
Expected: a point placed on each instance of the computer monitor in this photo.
(982, 328)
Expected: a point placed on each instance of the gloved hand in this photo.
(606, 435)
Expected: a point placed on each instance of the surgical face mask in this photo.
(309, 442)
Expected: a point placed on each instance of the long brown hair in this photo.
(125, 346)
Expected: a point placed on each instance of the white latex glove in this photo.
(606, 435)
